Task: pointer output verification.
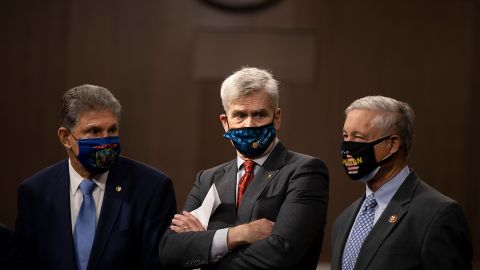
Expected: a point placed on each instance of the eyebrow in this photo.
(98, 127)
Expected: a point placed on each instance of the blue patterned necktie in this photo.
(360, 230)
(85, 226)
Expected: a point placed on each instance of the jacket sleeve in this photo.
(188, 249)
(447, 243)
(158, 215)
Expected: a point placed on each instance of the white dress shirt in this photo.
(76, 196)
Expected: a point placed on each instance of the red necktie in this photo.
(248, 165)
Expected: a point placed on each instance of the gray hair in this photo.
(247, 80)
(86, 98)
(395, 115)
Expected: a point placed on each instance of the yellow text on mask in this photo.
(352, 161)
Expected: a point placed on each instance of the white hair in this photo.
(247, 80)
(395, 115)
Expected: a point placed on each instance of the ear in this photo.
(277, 119)
(224, 121)
(64, 137)
(394, 144)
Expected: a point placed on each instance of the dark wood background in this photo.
(165, 60)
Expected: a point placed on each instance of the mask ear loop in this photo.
(69, 149)
(387, 158)
(228, 124)
(71, 134)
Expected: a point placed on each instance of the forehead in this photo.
(258, 100)
(97, 117)
(360, 121)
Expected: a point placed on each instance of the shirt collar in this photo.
(76, 179)
(385, 193)
(259, 160)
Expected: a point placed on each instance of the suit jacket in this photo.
(131, 221)
(290, 189)
(419, 229)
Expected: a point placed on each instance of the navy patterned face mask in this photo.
(98, 154)
(252, 141)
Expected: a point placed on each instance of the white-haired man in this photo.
(400, 222)
(273, 201)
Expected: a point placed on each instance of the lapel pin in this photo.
(393, 219)
(118, 188)
(269, 176)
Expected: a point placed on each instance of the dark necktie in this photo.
(360, 230)
(248, 165)
(85, 226)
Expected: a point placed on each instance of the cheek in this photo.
(74, 148)
(381, 153)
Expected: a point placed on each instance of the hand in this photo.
(249, 233)
(186, 222)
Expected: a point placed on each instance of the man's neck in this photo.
(387, 172)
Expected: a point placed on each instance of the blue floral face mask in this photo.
(251, 141)
(97, 155)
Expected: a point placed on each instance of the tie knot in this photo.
(370, 202)
(87, 186)
(248, 165)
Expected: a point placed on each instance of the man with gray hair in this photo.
(95, 209)
(400, 222)
(273, 202)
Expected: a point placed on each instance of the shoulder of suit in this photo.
(221, 167)
(301, 155)
(49, 172)
(429, 196)
(139, 168)
(293, 157)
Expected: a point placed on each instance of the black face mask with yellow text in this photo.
(358, 158)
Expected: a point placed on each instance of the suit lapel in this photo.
(116, 189)
(390, 219)
(60, 192)
(345, 228)
(263, 177)
(226, 184)
(224, 179)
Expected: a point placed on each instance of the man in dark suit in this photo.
(273, 201)
(400, 222)
(96, 209)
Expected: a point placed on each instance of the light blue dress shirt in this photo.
(384, 194)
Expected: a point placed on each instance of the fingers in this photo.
(185, 222)
(193, 222)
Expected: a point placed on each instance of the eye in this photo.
(360, 138)
(239, 115)
(93, 131)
